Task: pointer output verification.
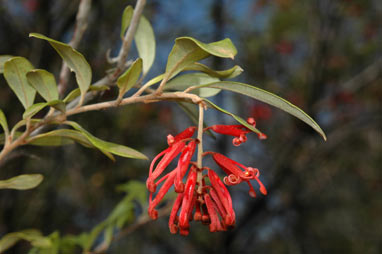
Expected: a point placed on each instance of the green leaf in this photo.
(33, 236)
(144, 38)
(77, 92)
(3, 122)
(184, 81)
(128, 79)
(60, 137)
(22, 182)
(145, 42)
(136, 190)
(15, 70)
(237, 118)
(188, 50)
(63, 137)
(3, 59)
(225, 74)
(121, 210)
(92, 236)
(126, 19)
(75, 61)
(44, 83)
(155, 80)
(269, 98)
(113, 148)
(35, 108)
(108, 236)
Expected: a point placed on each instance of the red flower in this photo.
(238, 131)
(186, 202)
(183, 164)
(222, 198)
(176, 146)
(236, 173)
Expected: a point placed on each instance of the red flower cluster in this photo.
(203, 193)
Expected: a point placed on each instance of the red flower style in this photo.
(236, 173)
(176, 146)
(238, 131)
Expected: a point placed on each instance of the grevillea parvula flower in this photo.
(237, 131)
(204, 196)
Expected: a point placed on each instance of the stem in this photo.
(200, 150)
(9, 147)
(129, 36)
(80, 27)
(32, 129)
(130, 100)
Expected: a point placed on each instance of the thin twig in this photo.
(129, 36)
(130, 100)
(80, 27)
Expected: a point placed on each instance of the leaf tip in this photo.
(32, 34)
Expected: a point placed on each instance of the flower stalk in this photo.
(199, 163)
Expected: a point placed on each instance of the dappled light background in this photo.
(324, 56)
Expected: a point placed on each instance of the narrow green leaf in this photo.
(77, 92)
(63, 137)
(126, 19)
(15, 70)
(51, 141)
(188, 50)
(75, 61)
(135, 190)
(145, 42)
(31, 235)
(3, 59)
(3, 122)
(44, 83)
(184, 81)
(237, 118)
(113, 148)
(155, 80)
(269, 98)
(144, 38)
(108, 236)
(225, 74)
(90, 238)
(22, 182)
(7, 242)
(128, 79)
(60, 137)
(35, 108)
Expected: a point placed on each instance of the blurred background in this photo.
(325, 56)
